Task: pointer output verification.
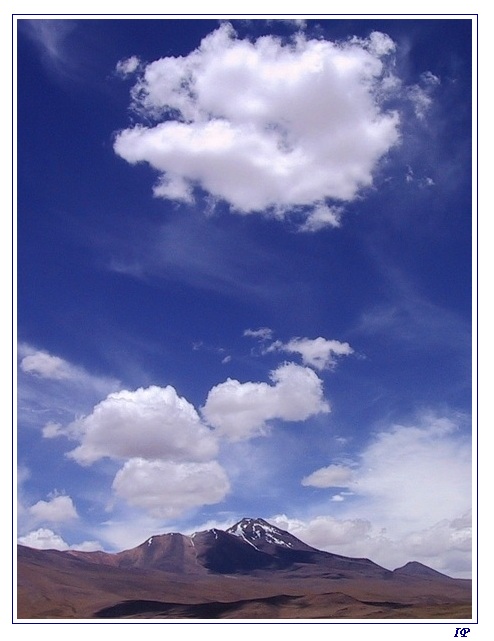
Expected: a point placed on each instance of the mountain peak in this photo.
(247, 522)
(416, 569)
(262, 535)
(255, 528)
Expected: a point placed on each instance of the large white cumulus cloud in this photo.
(151, 422)
(241, 410)
(167, 451)
(266, 125)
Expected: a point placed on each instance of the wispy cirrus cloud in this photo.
(410, 483)
(385, 472)
(51, 390)
(50, 36)
(421, 94)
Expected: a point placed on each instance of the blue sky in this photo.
(245, 282)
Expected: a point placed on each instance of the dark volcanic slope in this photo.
(253, 570)
(253, 546)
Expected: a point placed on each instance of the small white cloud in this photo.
(324, 532)
(241, 410)
(53, 430)
(331, 476)
(47, 366)
(429, 79)
(46, 539)
(57, 510)
(421, 94)
(321, 217)
(43, 539)
(422, 182)
(380, 44)
(263, 333)
(87, 546)
(319, 353)
(127, 66)
(167, 489)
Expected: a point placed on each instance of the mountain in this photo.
(251, 546)
(418, 570)
(251, 568)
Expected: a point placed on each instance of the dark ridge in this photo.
(212, 610)
(388, 604)
(130, 608)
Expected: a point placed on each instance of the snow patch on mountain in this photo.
(258, 529)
